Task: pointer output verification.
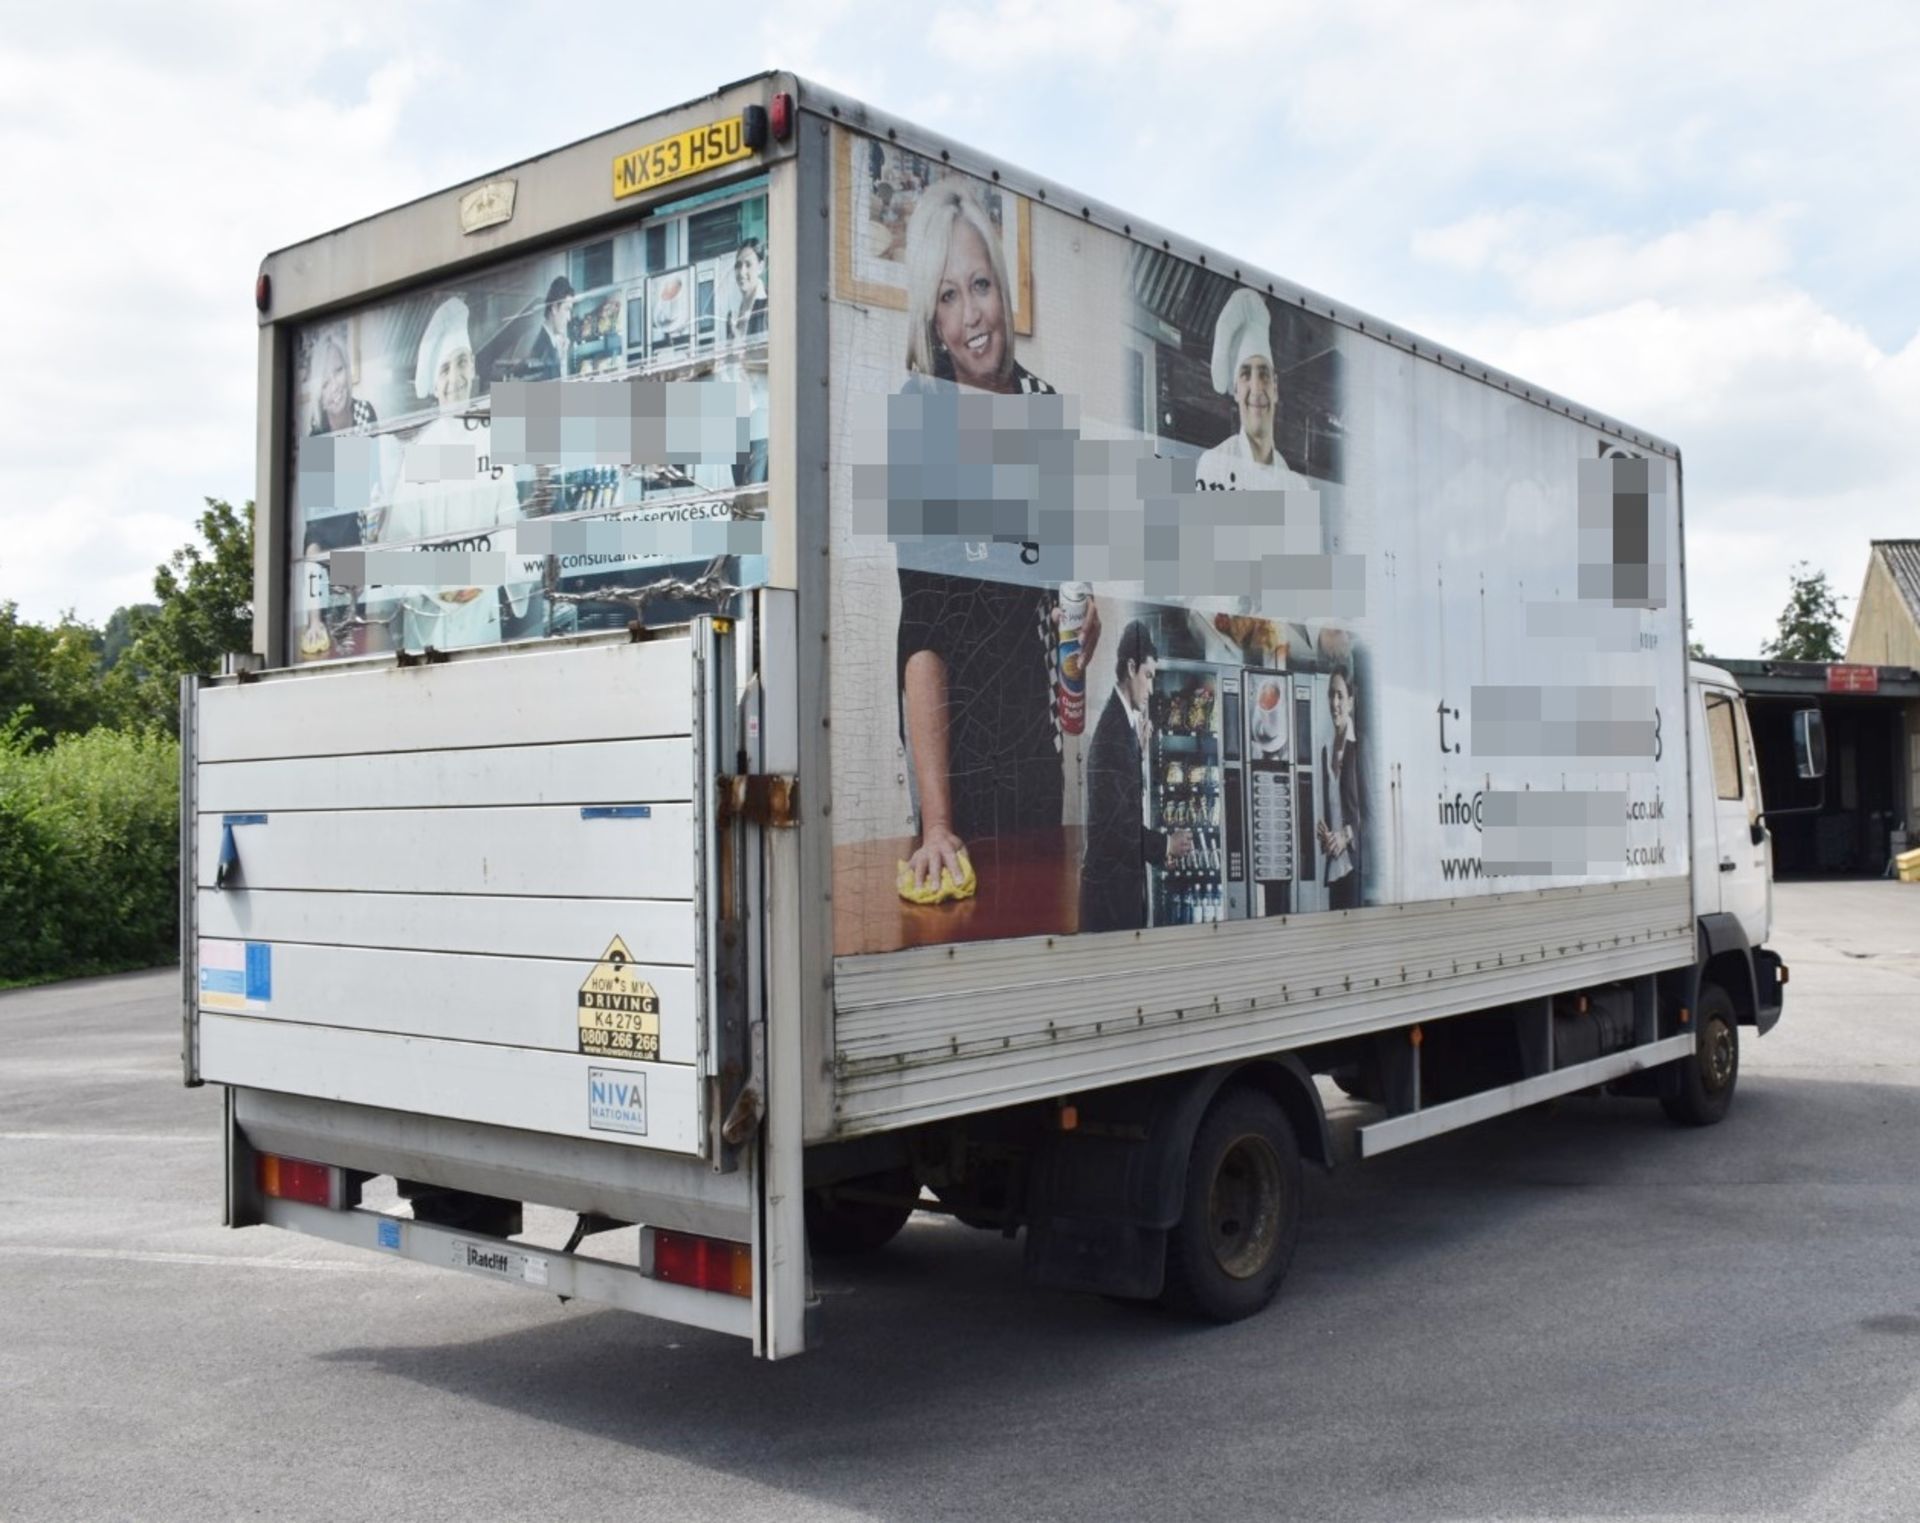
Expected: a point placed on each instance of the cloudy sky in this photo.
(1702, 219)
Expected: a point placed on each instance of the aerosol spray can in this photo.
(1070, 663)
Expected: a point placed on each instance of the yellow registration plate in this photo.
(674, 158)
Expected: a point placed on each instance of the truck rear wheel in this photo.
(843, 1221)
(1708, 1075)
(1241, 1216)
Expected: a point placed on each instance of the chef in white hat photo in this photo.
(443, 493)
(1243, 369)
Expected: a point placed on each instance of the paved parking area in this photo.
(1575, 1312)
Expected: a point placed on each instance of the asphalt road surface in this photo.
(1575, 1312)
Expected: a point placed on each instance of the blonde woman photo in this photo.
(975, 651)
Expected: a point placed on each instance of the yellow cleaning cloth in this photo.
(945, 889)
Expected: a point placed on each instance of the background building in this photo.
(1871, 705)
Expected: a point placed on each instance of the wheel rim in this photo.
(1243, 1208)
(1716, 1056)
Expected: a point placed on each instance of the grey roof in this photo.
(1901, 557)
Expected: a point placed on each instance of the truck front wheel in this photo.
(1235, 1238)
(1708, 1075)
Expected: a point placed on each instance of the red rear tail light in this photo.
(706, 1263)
(316, 1184)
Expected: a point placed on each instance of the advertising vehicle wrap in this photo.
(453, 487)
(1159, 598)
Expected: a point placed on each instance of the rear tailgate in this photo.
(471, 889)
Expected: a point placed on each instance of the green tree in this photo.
(205, 610)
(1809, 628)
(118, 632)
(49, 676)
(89, 848)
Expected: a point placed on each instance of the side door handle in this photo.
(1727, 864)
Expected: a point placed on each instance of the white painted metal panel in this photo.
(469, 1081)
(588, 772)
(539, 696)
(535, 851)
(428, 872)
(655, 930)
(926, 1034)
(514, 1001)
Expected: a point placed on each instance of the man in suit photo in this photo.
(548, 361)
(1119, 844)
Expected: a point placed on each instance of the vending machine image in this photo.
(1269, 787)
(1185, 789)
(1312, 729)
(1233, 797)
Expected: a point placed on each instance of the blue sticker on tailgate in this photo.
(259, 972)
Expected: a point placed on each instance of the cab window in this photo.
(1725, 742)
(1749, 768)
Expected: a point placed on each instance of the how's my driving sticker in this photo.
(619, 1010)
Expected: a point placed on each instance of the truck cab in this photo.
(1737, 980)
(1732, 848)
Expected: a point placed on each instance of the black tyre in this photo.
(1241, 1219)
(841, 1223)
(1708, 1076)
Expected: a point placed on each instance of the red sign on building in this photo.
(1842, 678)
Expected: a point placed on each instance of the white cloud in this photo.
(1692, 219)
(132, 391)
(1040, 31)
(1551, 265)
(1473, 243)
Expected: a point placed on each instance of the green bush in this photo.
(89, 847)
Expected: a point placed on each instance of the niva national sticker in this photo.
(616, 1101)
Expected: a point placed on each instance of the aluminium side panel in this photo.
(1279, 676)
(806, 190)
(794, 630)
(939, 1032)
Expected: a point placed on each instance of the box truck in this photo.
(803, 674)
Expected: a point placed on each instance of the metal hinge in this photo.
(768, 799)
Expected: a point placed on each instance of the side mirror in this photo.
(1809, 743)
(1810, 760)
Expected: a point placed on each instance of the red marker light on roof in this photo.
(263, 292)
(780, 113)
